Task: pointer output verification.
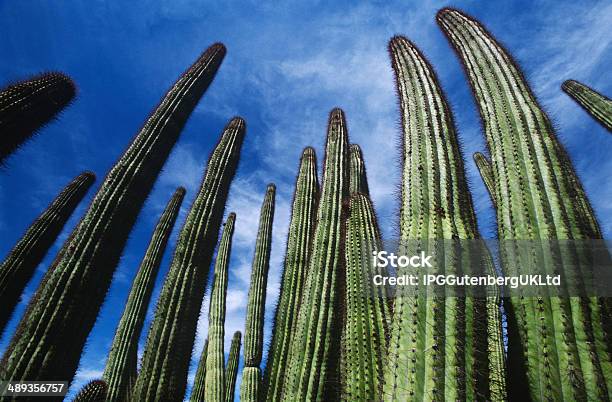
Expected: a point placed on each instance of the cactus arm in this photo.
(167, 353)
(231, 370)
(299, 249)
(486, 173)
(594, 103)
(51, 335)
(121, 367)
(199, 383)
(17, 269)
(253, 336)
(28, 105)
(93, 391)
(358, 177)
(311, 368)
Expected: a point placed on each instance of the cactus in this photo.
(93, 391)
(28, 105)
(313, 359)
(594, 103)
(121, 371)
(48, 342)
(19, 265)
(299, 248)
(557, 348)
(486, 173)
(167, 353)
(199, 383)
(231, 369)
(215, 357)
(253, 335)
(358, 177)
(366, 329)
(436, 348)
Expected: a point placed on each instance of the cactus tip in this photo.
(271, 188)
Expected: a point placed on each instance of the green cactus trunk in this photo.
(167, 353)
(121, 367)
(231, 369)
(366, 330)
(486, 173)
(199, 383)
(48, 342)
(93, 391)
(558, 348)
(299, 249)
(28, 105)
(253, 335)
(215, 358)
(438, 344)
(18, 267)
(594, 103)
(358, 177)
(314, 357)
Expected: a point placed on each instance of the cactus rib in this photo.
(594, 103)
(486, 173)
(199, 383)
(231, 369)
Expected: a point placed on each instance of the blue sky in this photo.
(288, 65)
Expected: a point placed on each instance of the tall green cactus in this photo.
(167, 353)
(19, 265)
(93, 391)
(250, 388)
(215, 357)
(595, 104)
(231, 369)
(28, 105)
(435, 350)
(299, 249)
(314, 356)
(48, 342)
(366, 330)
(199, 383)
(358, 177)
(486, 173)
(557, 349)
(121, 367)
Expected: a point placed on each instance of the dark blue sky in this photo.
(287, 65)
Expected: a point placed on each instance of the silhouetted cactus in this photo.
(358, 176)
(313, 359)
(48, 342)
(18, 267)
(438, 344)
(121, 367)
(557, 348)
(299, 248)
(253, 335)
(163, 375)
(93, 391)
(231, 369)
(594, 103)
(199, 383)
(28, 105)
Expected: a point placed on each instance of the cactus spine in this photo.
(28, 105)
(253, 336)
(558, 344)
(19, 265)
(358, 177)
(48, 342)
(121, 367)
(215, 357)
(366, 328)
(93, 391)
(165, 363)
(434, 351)
(314, 354)
(231, 370)
(299, 248)
(199, 383)
(595, 104)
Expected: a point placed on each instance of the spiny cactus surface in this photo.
(596, 104)
(358, 177)
(199, 383)
(231, 369)
(93, 391)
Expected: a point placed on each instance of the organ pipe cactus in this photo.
(215, 357)
(121, 371)
(231, 369)
(313, 359)
(358, 177)
(367, 313)
(596, 104)
(28, 105)
(253, 336)
(557, 349)
(93, 391)
(199, 383)
(299, 248)
(438, 344)
(48, 342)
(18, 267)
(167, 353)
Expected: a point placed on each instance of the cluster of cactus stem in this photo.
(335, 336)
